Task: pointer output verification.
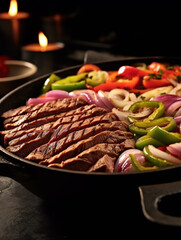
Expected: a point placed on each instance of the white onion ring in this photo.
(155, 92)
(119, 97)
(176, 90)
(121, 115)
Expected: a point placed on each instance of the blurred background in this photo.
(131, 28)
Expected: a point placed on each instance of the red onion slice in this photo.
(178, 119)
(35, 101)
(167, 99)
(92, 98)
(105, 100)
(128, 167)
(175, 148)
(57, 94)
(123, 163)
(173, 108)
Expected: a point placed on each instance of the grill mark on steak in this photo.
(24, 149)
(52, 118)
(44, 111)
(27, 109)
(51, 134)
(67, 128)
(96, 111)
(24, 138)
(48, 150)
(87, 158)
(75, 149)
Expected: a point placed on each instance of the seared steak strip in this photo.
(48, 150)
(104, 164)
(17, 132)
(56, 107)
(87, 158)
(40, 121)
(24, 149)
(65, 129)
(31, 108)
(102, 137)
(21, 110)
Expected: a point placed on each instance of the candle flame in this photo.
(43, 41)
(13, 8)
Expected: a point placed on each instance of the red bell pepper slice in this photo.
(140, 91)
(112, 76)
(155, 83)
(122, 83)
(130, 72)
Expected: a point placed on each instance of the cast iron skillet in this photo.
(50, 183)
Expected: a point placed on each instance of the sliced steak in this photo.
(104, 164)
(65, 129)
(87, 158)
(24, 149)
(48, 150)
(75, 149)
(41, 121)
(67, 134)
(24, 138)
(54, 107)
(18, 132)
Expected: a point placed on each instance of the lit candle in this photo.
(46, 56)
(12, 24)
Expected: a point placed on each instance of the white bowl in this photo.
(19, 73)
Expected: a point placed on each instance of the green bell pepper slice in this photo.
(142, 127)
(164, 136)
(137, 130)
(138, 165)
(69, 87)
(147, 140)
(96, 78)
(70, 83)
(167, 123)
(155, 160)
(72, 79)
(47, 84)
(157, 113)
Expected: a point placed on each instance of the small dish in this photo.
(19, 73)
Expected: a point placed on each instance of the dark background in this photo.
(136, 28)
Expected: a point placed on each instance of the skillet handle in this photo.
(160, 203)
